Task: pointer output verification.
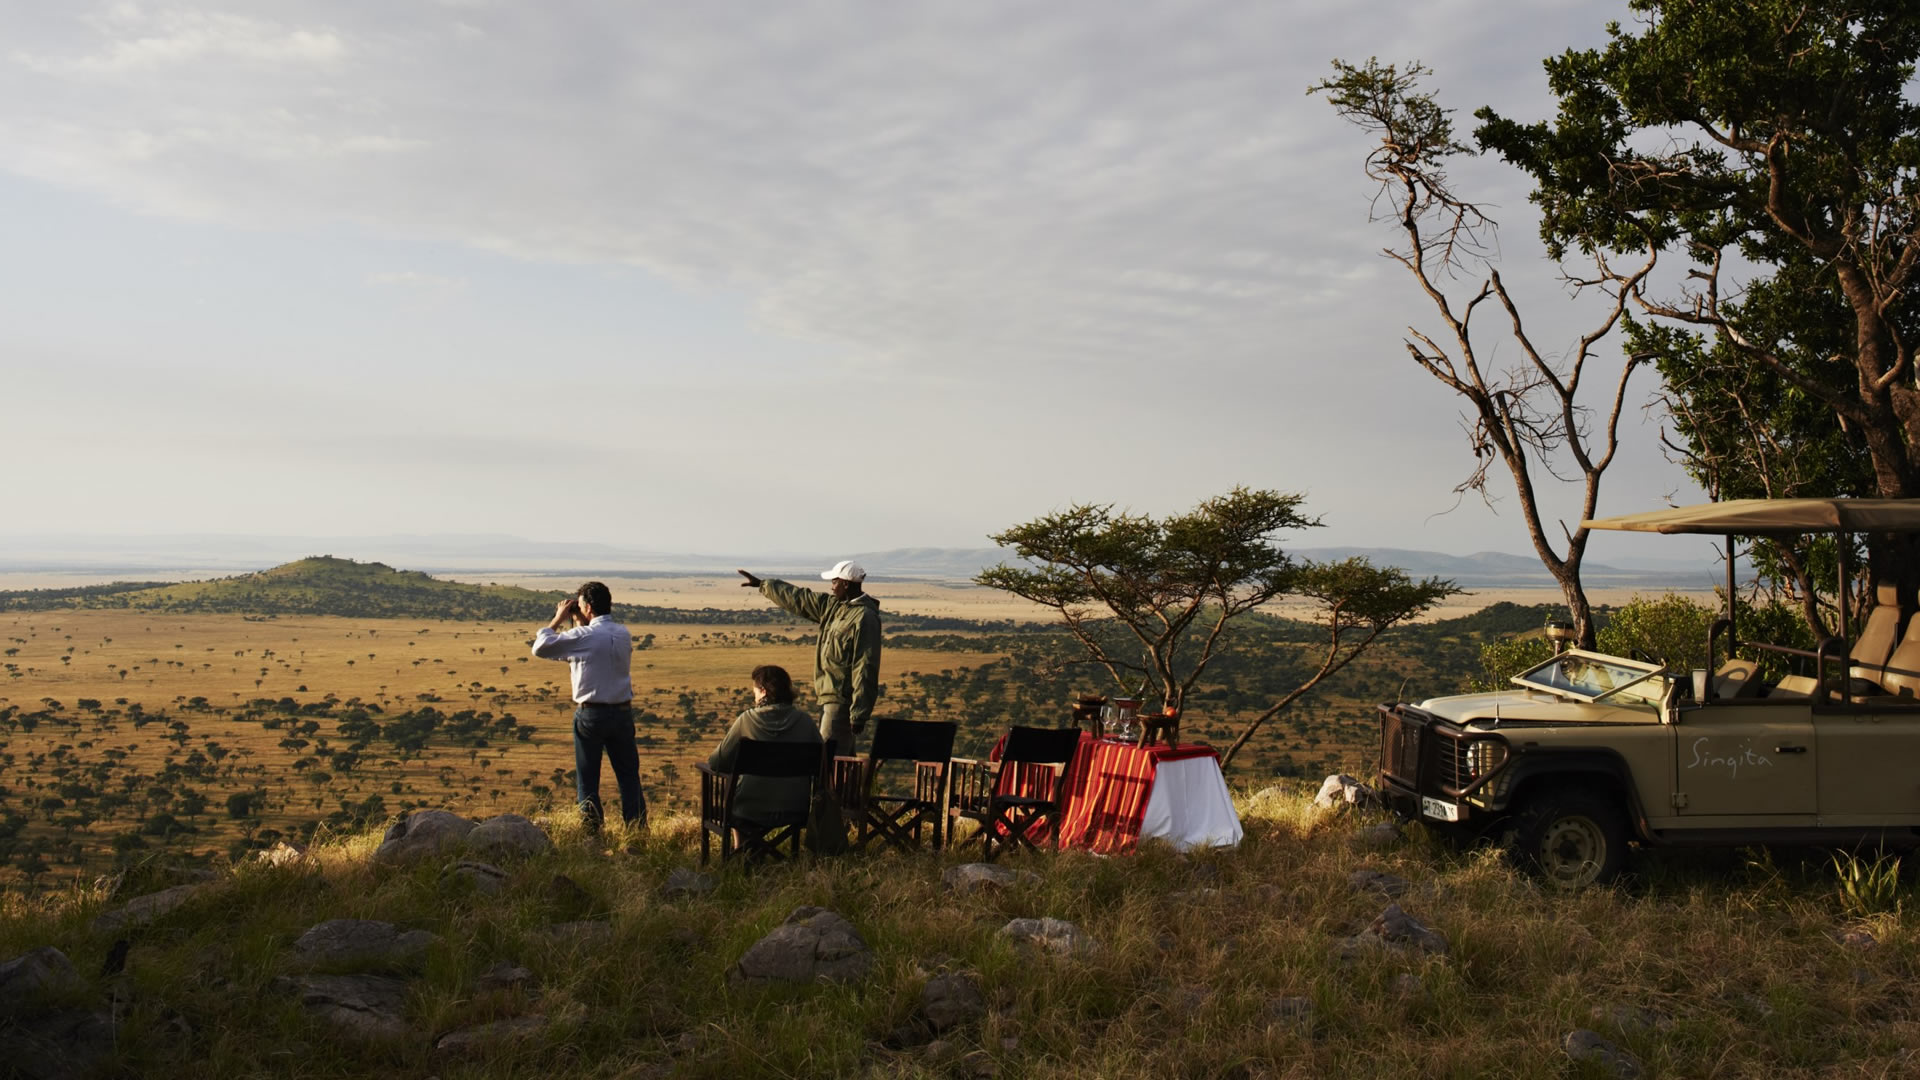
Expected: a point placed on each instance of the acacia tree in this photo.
(1533, 417)
(1776, 144)
(1150, 599)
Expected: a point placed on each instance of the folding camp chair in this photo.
(764, 836)
(895, 817)
(1022, 793)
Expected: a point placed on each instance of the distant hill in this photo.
(325, 585)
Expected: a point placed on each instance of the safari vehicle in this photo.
(1588, 752)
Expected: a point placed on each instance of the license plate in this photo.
(1439, 809)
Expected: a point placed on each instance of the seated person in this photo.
(773, 718)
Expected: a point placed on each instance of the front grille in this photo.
(1400, 744)
(1450, 771)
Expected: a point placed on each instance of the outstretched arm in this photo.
(802, 603)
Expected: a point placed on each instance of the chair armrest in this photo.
(971, 783)
(847, 779)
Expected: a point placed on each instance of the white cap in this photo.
(845, 570)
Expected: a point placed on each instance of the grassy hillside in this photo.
(325, 585)
(1214, 964)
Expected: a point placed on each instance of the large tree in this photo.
(1535, 417)
(1150, 599)
(1776, 144)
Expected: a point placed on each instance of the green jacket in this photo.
(846, 661)
(758, 795)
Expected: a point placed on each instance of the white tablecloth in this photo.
(1190, 806)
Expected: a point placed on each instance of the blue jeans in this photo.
(607, 728)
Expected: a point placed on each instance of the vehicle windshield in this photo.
(1587, 676)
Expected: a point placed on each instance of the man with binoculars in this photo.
(600, 652)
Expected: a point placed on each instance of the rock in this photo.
(508, 836)
(505, 976)
(423, 834)
(682, 881)
(907, 1036)
(1587, 1047)
(144, 909)
(491, 1036)
(568, 899)
(35, 975)
(479, 876)
(1631, 1019)
(1411, 989)
(1270, 793)
(813, 944)
(371, 1007)
(282, 853)
(363, 944)
(970, 878)
(937, 1051)
(579, 932)
(948, 1001)
(1056, 936)
(1292, 1012)
(980, 1064)
(1374, 837)
(1858, 939)
(1378, 883)
(57, 1046)
(1395, 931)
(1341, 791)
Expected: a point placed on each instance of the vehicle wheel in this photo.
(1571, 839)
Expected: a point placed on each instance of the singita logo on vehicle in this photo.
(1744, 757)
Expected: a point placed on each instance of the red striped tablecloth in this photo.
(1119, 792)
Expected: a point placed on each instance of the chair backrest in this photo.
(764, 757)
(1041, 746)
(895, 739)
(1737, 678)
(1882, 631)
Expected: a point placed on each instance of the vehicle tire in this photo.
(1571, 838)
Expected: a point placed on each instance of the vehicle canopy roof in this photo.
(1773, 517)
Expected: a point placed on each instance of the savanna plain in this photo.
(145, 749)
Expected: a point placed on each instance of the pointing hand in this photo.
(751, 582)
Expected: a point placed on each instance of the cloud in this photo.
(981, 186)
(413, 281)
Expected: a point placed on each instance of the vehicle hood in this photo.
(1534, 706)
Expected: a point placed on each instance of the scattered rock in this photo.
(1396, 931)
(687, 1043)
(1056, 936)
(937, 1051)
(1340, 791)
(1857, 939)
(980, 1064)
(948, 1001)
(1631, 1019)
(282, 853)
(1292, 1012)
(813, 944)
(505, 976)
(144, 909)
(36, 974)
(1378, 883)
(1587, 1047)
(363, 943)
(1270, 793)
(1373, 837)
(568, 899)
(57, 1046)
(1411, 989)
(970, 878)
(369, 1007)
(491, 1036)
(682, 881)
(579, 932)
(479, 876)
(423, 834)
(508, 836)
(907, 1036)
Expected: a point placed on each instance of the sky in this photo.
(810, 275)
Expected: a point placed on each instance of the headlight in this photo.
(1484, 756)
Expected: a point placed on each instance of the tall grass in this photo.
(1745, 960)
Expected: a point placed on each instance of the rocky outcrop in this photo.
(981, 877)
(1394, 931)
(1588, 1048)
(423, 834)
(492, 1036)
(948, 1001)
(813, 945)
(368, 1007)
(363, 944)
(508, 836)
(1056, 936)
(36, 975)
(144, 909)
(478, 876)
(1340, 791)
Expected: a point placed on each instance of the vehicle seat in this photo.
(1875, 646)
(1901, 676)
(1737, 679)
(1794, 686)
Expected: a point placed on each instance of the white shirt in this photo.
(600, 654)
